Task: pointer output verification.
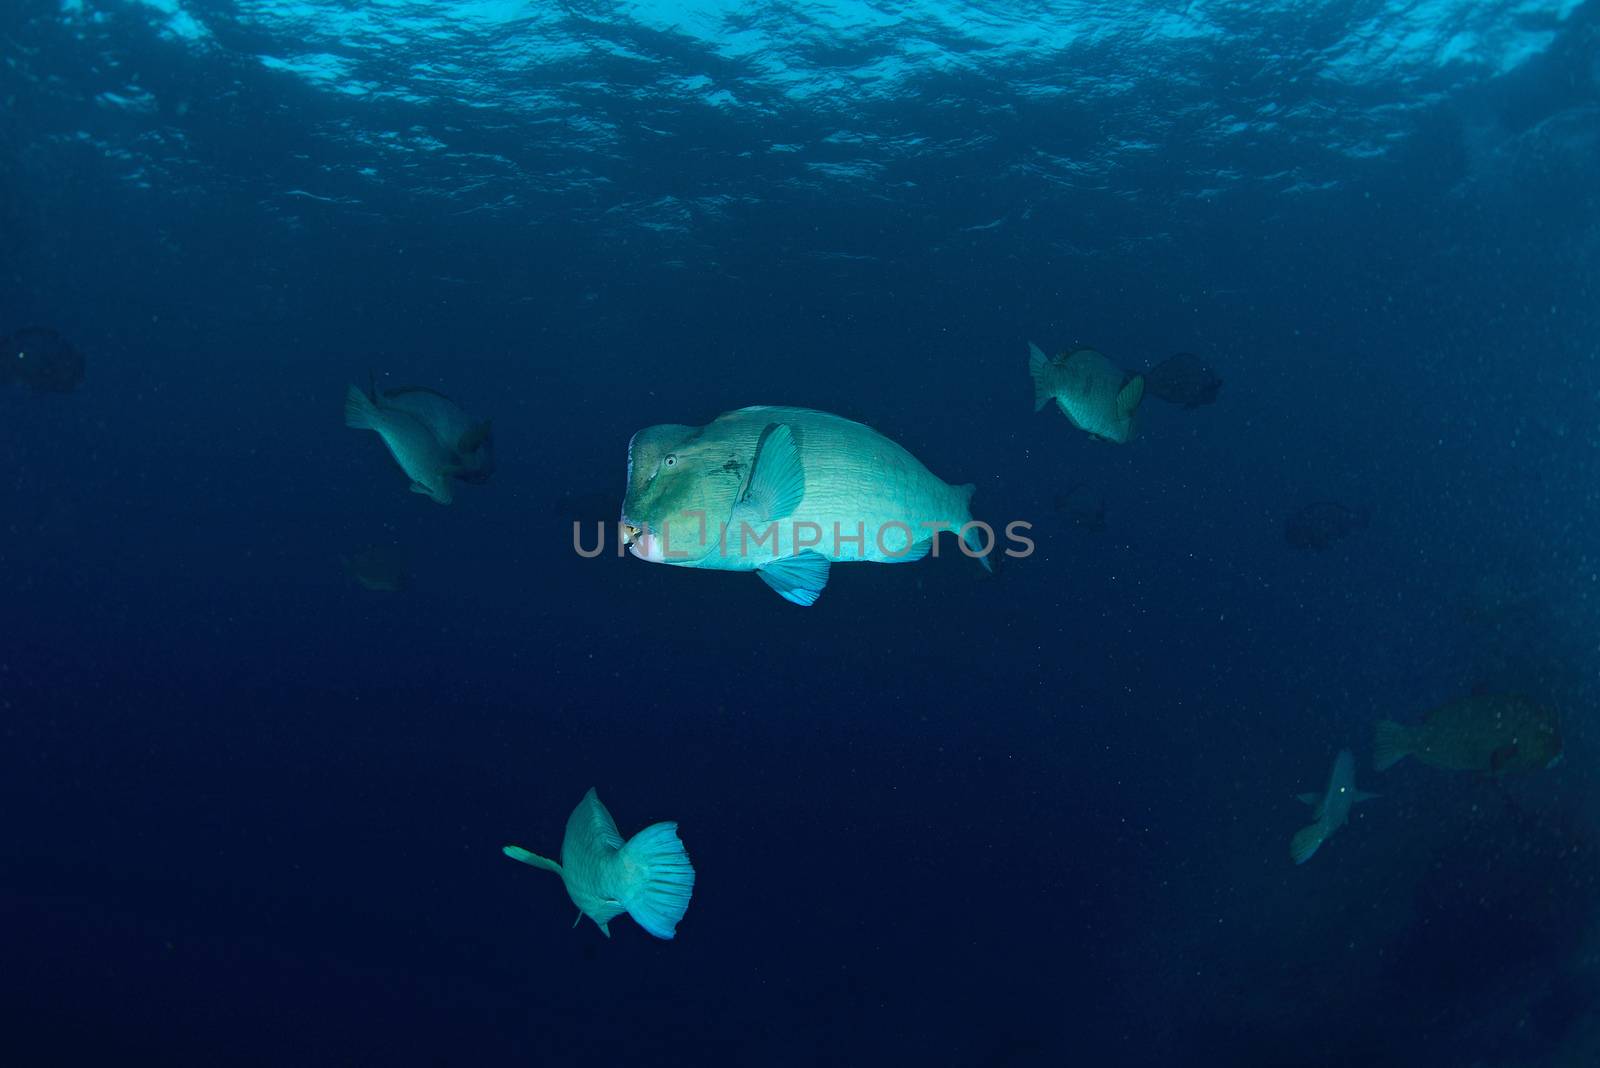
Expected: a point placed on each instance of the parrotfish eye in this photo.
(670, 461)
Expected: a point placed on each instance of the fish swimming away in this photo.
(1183, 379)
(1095, 395)
(1330, 809)
(786, 492)
(1317, 526)
(649, 876)
(1495, 734)
(41, 359)
(426, 461)
(470, 440)
(380, 568)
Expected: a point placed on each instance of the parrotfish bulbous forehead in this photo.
(649, 446)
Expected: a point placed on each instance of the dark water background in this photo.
(252, 813)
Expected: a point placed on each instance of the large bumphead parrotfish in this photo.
(1330, 809)
(1496, 734)
(429, 436)
(1095, 395)
(649, 876)
(41, 359)
(785, 492)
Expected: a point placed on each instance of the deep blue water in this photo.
(253, 812)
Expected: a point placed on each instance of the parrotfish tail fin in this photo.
(798, 579)
(474, 438)
(1038, 365)
(1129, 396)
(532, 860)
(777, 479)
(359, 411)
(657, 879)
(1391, 744)
(1305, 842)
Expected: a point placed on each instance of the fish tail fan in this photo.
(1038, 368)
(533, 860)
(1129, 396)
(1305, 842)
(1391, 743)
(656, 878)
(359, 411)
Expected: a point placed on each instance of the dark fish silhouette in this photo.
(1083, 506)
(42, 359)
(1317, 526)
(1491, 733)
(1183, 379)
(381, 568)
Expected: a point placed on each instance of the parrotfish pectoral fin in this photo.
(359, 411)
(657, 879)
(1305, 842)
(1311, 799)
(777, 479)
(798, 579)
(1038, 363)
(1358, 796)
(533, 860)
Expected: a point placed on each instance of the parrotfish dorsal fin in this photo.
(777, 478)
(598, 821)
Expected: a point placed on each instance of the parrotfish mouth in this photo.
(640, 542)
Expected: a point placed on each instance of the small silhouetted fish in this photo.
(40, 358)
(1183, 379)
(1083, 506)
(1317, 526)
(381, 568)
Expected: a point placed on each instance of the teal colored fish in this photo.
(426, 461)
(1095, 395)
(785, 492)
(1330, 809)
(649, 876)
(470, 440)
